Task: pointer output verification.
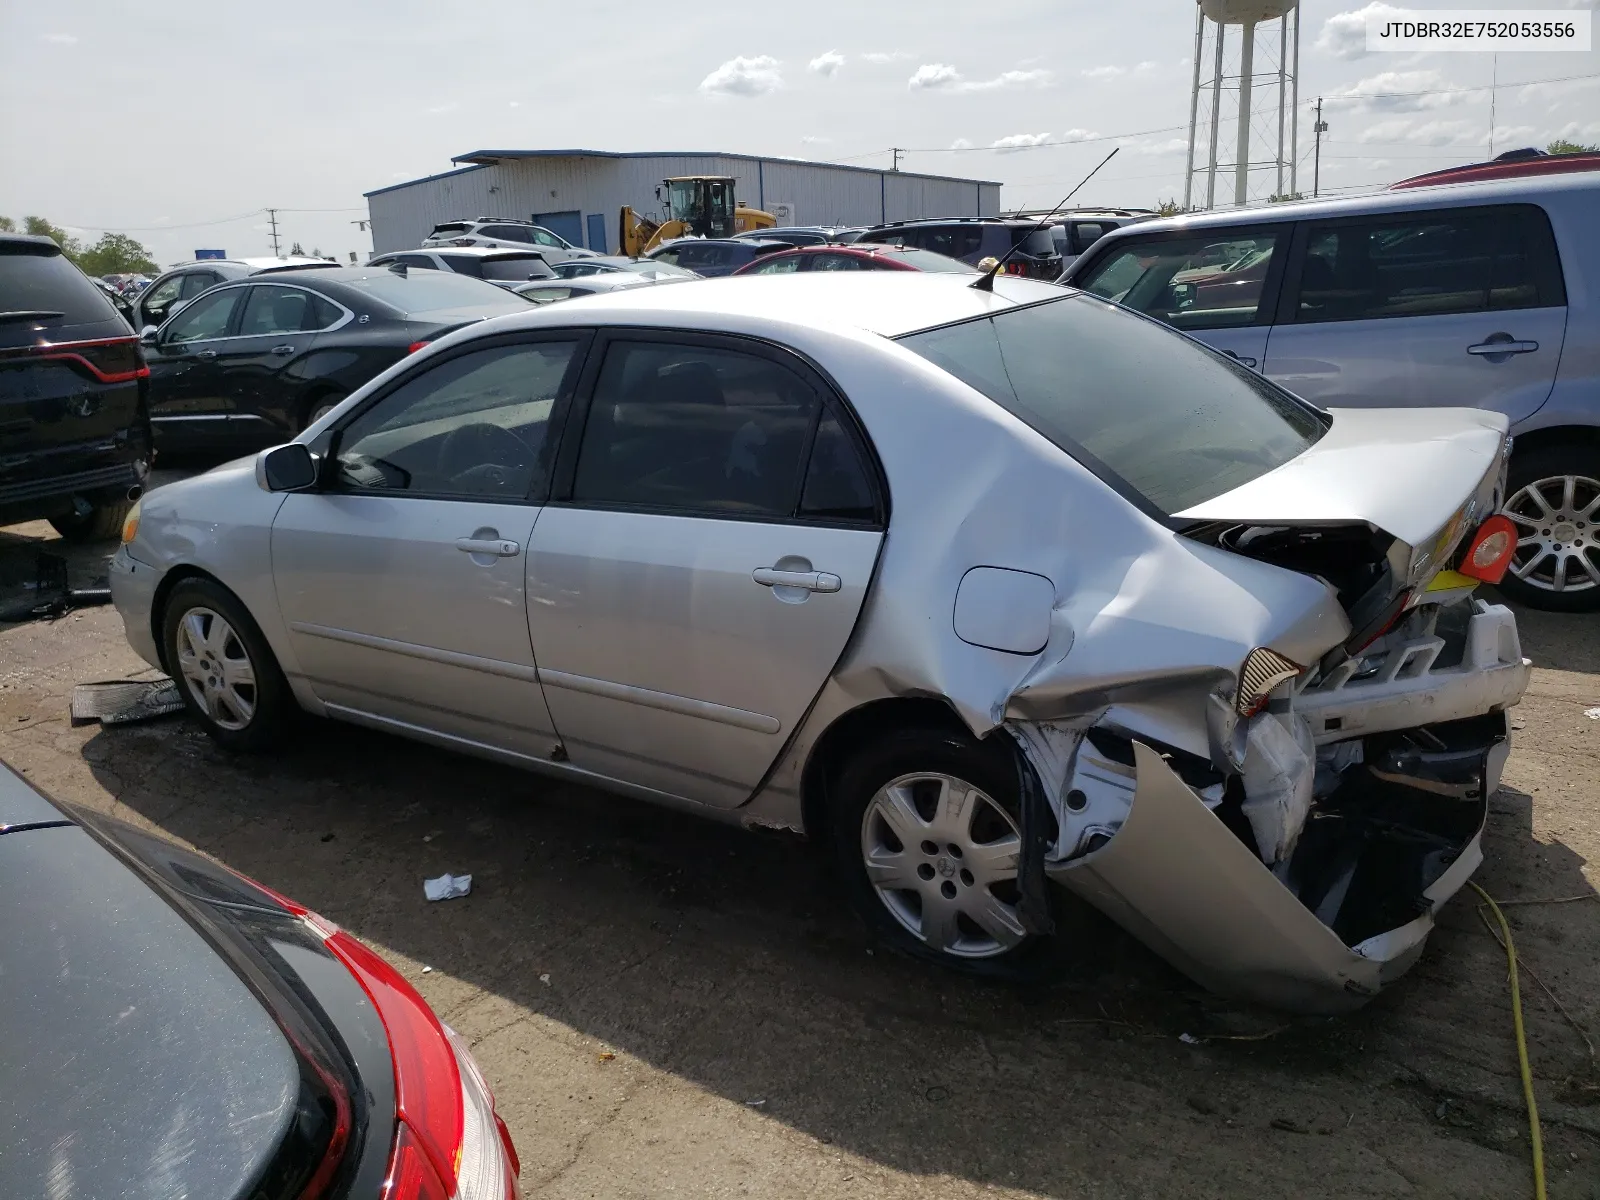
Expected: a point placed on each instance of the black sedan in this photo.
(715, 256)
(251, 363)
(174, 1029)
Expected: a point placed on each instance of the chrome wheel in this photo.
(216, 668)
(943, 858)
(1557, 547)
(321, 411)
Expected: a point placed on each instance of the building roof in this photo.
(483, 158)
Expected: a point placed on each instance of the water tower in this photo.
(1249, 73)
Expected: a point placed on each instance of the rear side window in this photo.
(1178, 424)
(464, 264)
(507, 233)
(697, 429)
(779, 266)
(954, 241)
(272, 310)
(1465, 260)
(50, 286)
(1214, 280)
(838, 481)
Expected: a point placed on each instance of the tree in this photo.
(295, 251)
(7, 225)
(40, 227)
(1562, 146)
(1169, 208)
(116, 254)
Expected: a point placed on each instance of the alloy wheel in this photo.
(943, 858)
(1558, 542)
(217, 669)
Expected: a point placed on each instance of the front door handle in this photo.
(1498, 347)
(284, 349)
(811, 581)
(1240, 358)
(206, 354)
(497, 547)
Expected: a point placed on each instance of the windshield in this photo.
(424, 291)
(1177, 423)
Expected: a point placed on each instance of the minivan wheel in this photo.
(1553, 498)
(926, 836)
(99, 524)
(226, 673)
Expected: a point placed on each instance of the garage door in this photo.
(568, 224)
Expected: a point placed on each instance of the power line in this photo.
(255, 212)
(1456, 91)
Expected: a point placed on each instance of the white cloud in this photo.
(1378, 92)
(826, 64)
(942, 76)
(1344, 35)
(1147, 65)
(1019, 141)
(935, 75)
(445, 108)
(515, 104)
(1078, 135)
(810, 140)
(744, 77)
(961, 144)
(886, 56)
(1107, 72)
(60, 39)
(1424, 133)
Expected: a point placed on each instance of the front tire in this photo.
(925, 830)
(229, 679)
(1553, 498)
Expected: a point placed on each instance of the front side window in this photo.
(205, 319)
(1175, 422)
(269, 309)
(158, 299)
(1427, 264)
(1202, 281)
(695, 429)
(786, 265)
(843, 262)
(475, 426)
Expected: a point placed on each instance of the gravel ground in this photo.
(669, 1007)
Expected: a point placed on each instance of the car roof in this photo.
(1500, 191)
(29, 240)
(926, 221)
(888, 303)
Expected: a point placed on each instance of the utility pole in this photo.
(1320, 128)
(272, 215)
(897, 153)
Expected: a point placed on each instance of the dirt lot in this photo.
(761, 1048)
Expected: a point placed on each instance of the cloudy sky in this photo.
(179, 121)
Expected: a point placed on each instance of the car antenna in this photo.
(986, 282)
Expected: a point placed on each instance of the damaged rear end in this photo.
(1283, 827)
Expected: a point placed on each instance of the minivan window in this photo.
(1211, 280)
(1466, 260)
(1175, 422)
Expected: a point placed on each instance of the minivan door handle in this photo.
(811, 581)
(1500, 346)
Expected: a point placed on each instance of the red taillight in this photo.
(411, 1175)
(1489, 553)
(415, 346)
(109, 360)
(427, 1083)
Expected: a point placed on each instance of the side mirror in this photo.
(147, 335)
(289, 468)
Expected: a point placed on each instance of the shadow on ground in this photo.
(725, 958)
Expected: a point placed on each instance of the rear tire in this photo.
(1553, 498)
(100, 524)
(227, 674)
(318, 406)
(924, 828)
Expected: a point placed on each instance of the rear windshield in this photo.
(452, 227)
(927, 260)
(424, 291)
(1175, 422)
(1038, 242)
(518, 267)
(45, 289)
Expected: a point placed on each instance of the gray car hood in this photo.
(1405, 471)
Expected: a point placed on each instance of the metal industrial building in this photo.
(578, 193)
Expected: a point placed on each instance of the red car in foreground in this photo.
(870, 257)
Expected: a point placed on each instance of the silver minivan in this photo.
(1476, 294)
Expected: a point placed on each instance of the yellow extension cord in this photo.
(1522, 1045)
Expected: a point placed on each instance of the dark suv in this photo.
(74, 396)
(973, 239)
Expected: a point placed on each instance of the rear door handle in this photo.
(812, 581)
(1505, 345)
(498, 547)
(1249, 362)
(284, 349)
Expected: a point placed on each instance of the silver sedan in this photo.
(1008, 597)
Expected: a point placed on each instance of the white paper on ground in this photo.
(447, 887)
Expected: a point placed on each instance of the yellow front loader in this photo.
(694, 206)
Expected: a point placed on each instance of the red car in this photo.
(871, 257)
